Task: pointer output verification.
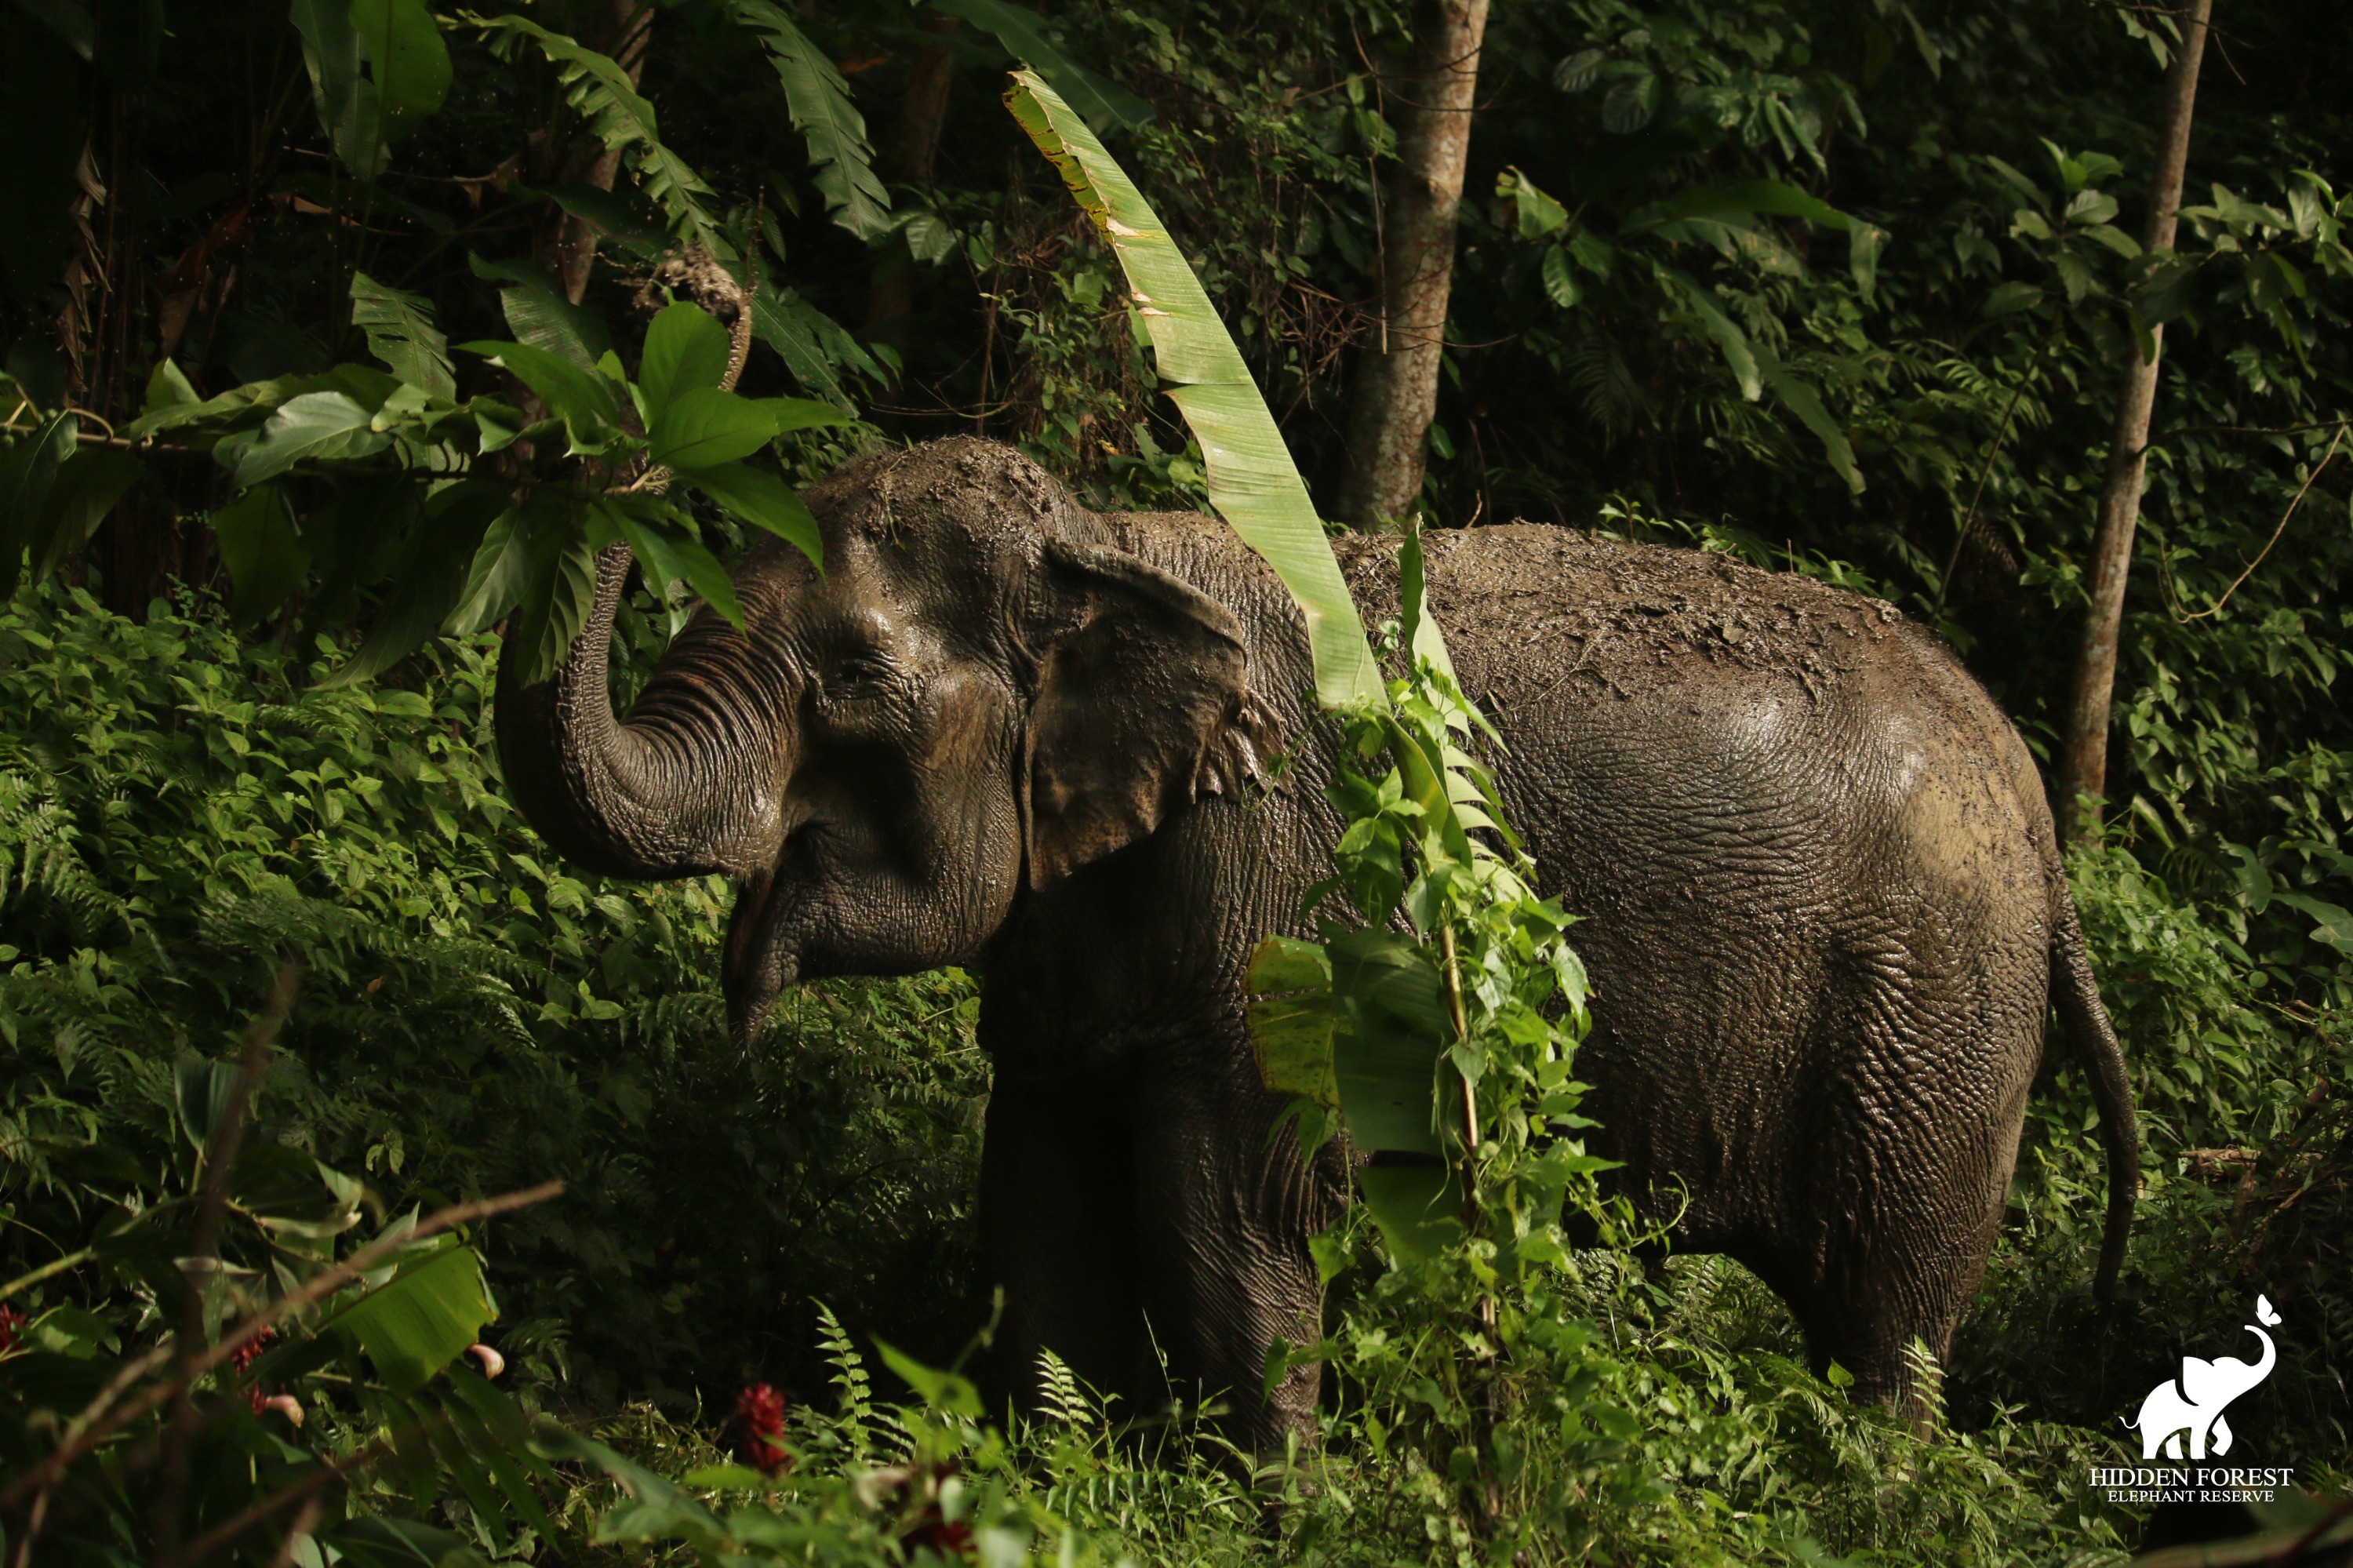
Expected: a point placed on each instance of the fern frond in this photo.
(851, 1376)
(1063, 1401)
(841, 159)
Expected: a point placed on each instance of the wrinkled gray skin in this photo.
(1826, 915)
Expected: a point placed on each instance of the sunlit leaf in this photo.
(686, 350)
(704, 426)
(400, 332)
(422, 1318)
(1252, 481)
(764, 501)
(317, 427)
(581, 399)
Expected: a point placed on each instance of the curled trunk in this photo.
(685, 785)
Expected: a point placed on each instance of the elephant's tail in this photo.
(2078, 998)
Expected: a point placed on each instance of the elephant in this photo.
(2193, 1403)
(1825, 914)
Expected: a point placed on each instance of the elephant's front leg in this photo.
(1223, 1223)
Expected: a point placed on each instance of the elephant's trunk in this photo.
(675, 790)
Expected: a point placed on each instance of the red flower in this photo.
(12, 1323)
(760, 1416)
(246, 1354)
(242, 1358)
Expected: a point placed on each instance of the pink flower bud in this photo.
(493, 1363)
(286, 1405)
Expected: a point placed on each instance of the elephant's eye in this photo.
(857, 677)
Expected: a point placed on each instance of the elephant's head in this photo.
(978, 696)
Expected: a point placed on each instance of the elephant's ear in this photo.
(1139, 675)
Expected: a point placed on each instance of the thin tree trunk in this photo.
(566, 247)
(1397, 378)
(922, 114)
(2083, 763)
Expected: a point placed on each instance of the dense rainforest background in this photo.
(1841, 287)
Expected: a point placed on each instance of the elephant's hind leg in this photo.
(1906, 1190)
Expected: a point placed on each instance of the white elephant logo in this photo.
(2193, 1403)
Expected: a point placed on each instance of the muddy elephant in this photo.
(1825, 916)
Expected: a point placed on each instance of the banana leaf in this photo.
(1252, 480)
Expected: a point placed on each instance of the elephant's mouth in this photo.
(753, 970)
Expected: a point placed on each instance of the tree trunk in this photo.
(1396, 376)
(566, 247)
(922, 114)
(2083, 763)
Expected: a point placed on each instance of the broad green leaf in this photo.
(556, 601)
(1291, 1019)
(1772, 197)
(686, 350)
(1423, 636)
(400, 332)
(1579, 70)
(2009, 299)
(1539, 215)
(792, 414)
(841, 159)
(1419, 1207)
(621, 217)
(542, 318)
(407, 62)
(1863, 244)
(340, 89)
(226, 407)
(2088, 208)
(671, 554)
(764, 501)
(704, 428)
(28, 470)
(1252, 479)
(265, 556)
(168, 387)
(1102, 105)
(495, 576)
(581, 399)
(1729, 339)
(813, 346)
(1559, 282)
(938, 1390)
(315, 426)
(430, 580)
(1386, 1061)
(87, 486)
(1802, 400)
(422, 1319)
(69, 19)
(599, 91)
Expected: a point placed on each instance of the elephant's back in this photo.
(1805, 842)
(1529, 606)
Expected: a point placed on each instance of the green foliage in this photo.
(177, 816)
